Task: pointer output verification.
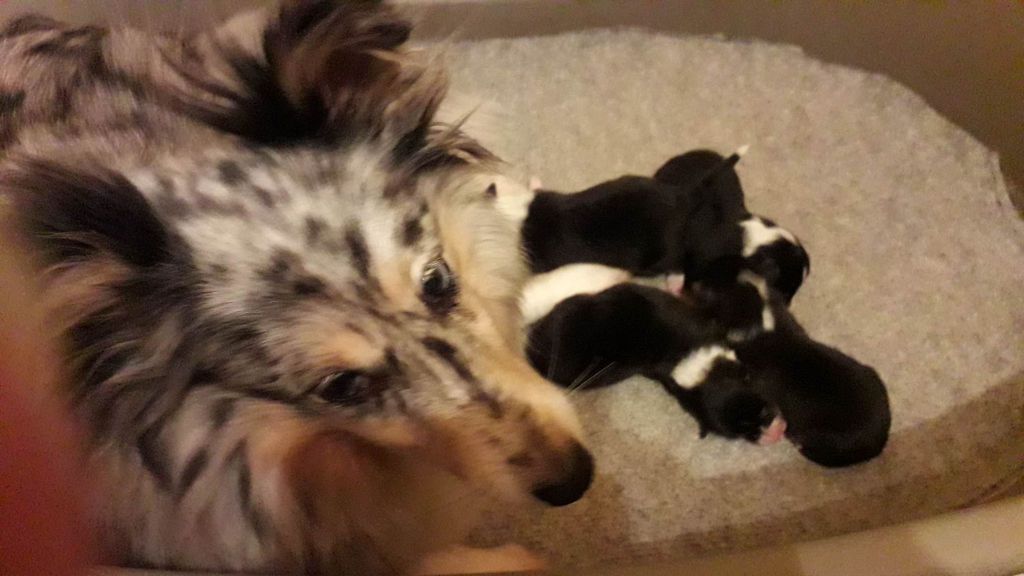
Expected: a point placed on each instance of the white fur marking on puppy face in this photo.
(767, 318)
(544, 291)
(757, 234)
(694, 368)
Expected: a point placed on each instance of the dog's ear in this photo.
(343, 59)
(73, 215)
(323, 70)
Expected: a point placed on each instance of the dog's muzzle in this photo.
(578, 473)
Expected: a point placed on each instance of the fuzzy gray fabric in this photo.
(917, 269)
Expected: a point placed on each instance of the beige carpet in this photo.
(918, 269)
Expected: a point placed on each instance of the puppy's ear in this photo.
(325, 69)
(686, 170)
(709, 278)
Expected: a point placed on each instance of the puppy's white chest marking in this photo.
(767, 318)
(694, 368)
(757, 234)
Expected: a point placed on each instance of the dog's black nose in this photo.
(578, 474)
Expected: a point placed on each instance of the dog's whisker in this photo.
(583, 375)
(593, 378)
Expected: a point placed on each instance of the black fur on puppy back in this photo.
(627, 328)
(732, 305)
(837, 409)
(705, 174)
(632, 222)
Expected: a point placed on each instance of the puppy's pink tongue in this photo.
(775, 432)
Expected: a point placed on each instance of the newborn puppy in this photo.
(720, 224)
(836, 408)
(597, 339)
(679, 222)
(716, 390)
(634, 223)
(736, 300)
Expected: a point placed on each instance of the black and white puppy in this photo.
(836, 408)
(590, 327)
(721, 226)
(632, 222)
(679, 222)
(729, 351)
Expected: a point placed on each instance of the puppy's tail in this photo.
(698, 168)
(726, 164)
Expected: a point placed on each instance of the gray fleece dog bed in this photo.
(917, 269)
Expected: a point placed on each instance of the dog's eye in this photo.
(346, 388)
(438, 286)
